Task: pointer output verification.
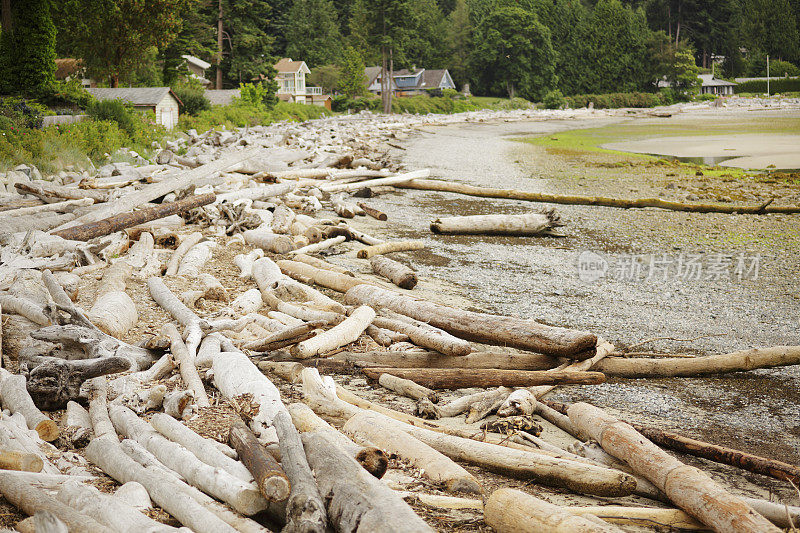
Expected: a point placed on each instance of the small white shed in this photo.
(161, 100)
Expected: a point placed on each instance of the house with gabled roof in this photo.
(292, 81)
(161, 100)
(407, 82)
(197, 68)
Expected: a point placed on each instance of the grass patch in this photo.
(240, 115)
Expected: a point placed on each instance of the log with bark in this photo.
(397, 273)
(51, 192)
(269, 476)
(529, 224)
(512, 511)
(356, 501)
(374, 213)
(689, 488)
(640, 203)
(500, 360)
(447, 378)
(286, 337)
(122, 221)
(525, 334)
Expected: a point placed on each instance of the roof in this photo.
(222, 96)
(708, 80)
(287, 65)
(372, 73)
(402, 73)
(196, 61)
(138, 96)
(433, 78)
(67, 67)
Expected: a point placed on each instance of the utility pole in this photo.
(218, 84)
(767, 75)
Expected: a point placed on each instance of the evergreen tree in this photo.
(250, 55)
(426, 44)
(615, 49)
(770, 27)
(312, 32)
(197, 37)
(352, 81)
(28, 48)
(459, 41)
(513, 54)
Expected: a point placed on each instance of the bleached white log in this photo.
(434, 465)
(108, 510)
(243, 497)
(114, 312)
(186, 244)
(98, 410)
(200, 446)
(393, 180)
(195, 259)
(212, 288)
(248, 302)
(256, 193)
(346, 332)
(186, 365)
(135, 495)
(268, 241)
(319, 246)
(177, 402)
(245, 262)
(527, 224)
(16, 399)
(13, 305)
(164, 490)
(271, 280)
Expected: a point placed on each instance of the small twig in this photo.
(649, 354)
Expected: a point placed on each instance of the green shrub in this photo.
(451, 93)
(436, 92)
(67, 94)
(140, 127)
(775, 86)
(705, 97)
(554, 100)
(193, 98)
(22, 113)
(343, 103)
(257, 94)
(240, 114)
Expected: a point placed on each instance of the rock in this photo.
(106, 171)
(692, 198)
(15, 176)
(165, 157)
(725, 199)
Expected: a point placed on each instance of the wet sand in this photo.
(752, 151)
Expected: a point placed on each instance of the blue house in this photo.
(410, 82)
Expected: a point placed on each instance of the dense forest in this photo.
(500, 47)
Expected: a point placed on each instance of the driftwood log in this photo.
(700, 366)
(689, 488)
(640, 203)
(356, 501)
(525, 334)
(122, 221)
(269, 476)
(373, 459)
(15, 398)
(447, 378)
(57, 381)
(389, 247)
(530, 224)
(513, 511)
(437, 467)
(397, 273)
(499, 360)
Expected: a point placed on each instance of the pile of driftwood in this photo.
(86, 395)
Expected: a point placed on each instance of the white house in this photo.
(292, 81)
(197, 68)
(161, 100)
